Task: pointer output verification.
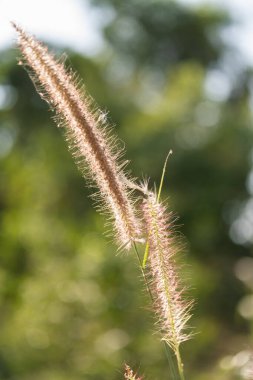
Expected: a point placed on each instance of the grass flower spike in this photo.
(86, 133)
(172, 310)
(129, 374)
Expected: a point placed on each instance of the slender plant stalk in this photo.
(163, 175)
(143, 272)
(145, 257)
(171, 360)
(86, 133)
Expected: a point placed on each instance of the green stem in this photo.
(170, 357)
(142, 271)
(163, 174)
(145, 258)
(179, 364)
(145, 255)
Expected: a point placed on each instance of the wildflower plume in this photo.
(87, 134)
(172, 310)
(130, 375)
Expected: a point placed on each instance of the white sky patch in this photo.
(68, 23)
(77, 25)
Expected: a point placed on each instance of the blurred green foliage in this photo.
(70, 308)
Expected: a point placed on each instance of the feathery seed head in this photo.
(94, 150)
(129, 374)
(172, 310)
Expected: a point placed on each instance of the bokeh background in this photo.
(173, 75)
